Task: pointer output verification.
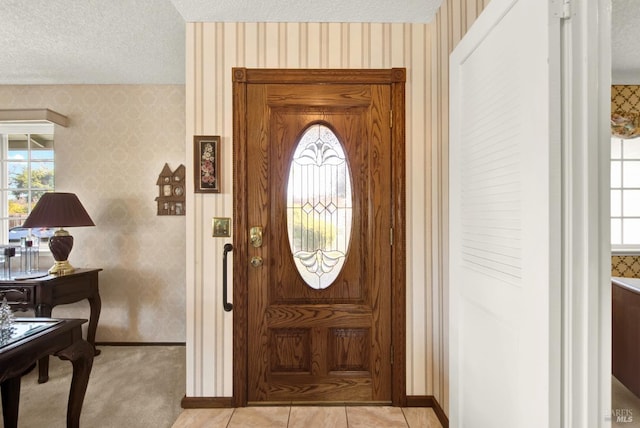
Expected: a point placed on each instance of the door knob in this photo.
(256, 261)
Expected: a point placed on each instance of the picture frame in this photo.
(206, 163)
(221, 227)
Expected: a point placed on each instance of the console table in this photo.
(33, 339)
(41, 294)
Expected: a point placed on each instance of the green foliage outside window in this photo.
(41, 178)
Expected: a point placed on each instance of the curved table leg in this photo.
(81, 356)
(95, 303)
(10, 401)
(43, 311)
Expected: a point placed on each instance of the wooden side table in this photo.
(42, 294)
(35, 338)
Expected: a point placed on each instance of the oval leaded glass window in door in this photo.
(319, 208)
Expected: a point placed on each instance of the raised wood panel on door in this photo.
(304, 344)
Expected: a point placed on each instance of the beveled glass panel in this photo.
(22, 328)
(319, 206)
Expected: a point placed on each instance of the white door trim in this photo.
(586, 254)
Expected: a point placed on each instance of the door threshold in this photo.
(317, 403)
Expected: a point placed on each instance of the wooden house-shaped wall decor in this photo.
(171, 191)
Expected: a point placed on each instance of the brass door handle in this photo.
(255, 236)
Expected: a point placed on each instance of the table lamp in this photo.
(57, 209)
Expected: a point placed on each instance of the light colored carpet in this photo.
(129, 386)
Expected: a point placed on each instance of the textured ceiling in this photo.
(625, 49)
(307, 10)
(91, 41)
(143, 41)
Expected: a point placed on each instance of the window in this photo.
(625, 193)
(27, 171)
(319, 205)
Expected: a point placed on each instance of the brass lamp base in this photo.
(61, 268)
(60, 245)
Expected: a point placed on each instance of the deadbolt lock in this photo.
(255, 236)
(256, 261)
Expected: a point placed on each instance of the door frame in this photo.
(396, 78)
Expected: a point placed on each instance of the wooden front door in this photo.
(315, 238)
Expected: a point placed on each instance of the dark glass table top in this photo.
(23, 328)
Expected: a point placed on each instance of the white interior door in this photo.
(505, 208)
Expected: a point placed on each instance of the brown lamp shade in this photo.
(57, 209)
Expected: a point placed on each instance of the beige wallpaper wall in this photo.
(119, 138)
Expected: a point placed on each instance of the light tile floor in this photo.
(354, 416)
(625, 406)
(310, 417)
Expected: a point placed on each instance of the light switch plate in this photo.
(221, 227)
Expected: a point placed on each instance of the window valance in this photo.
(625, 124)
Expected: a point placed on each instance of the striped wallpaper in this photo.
(212, 50)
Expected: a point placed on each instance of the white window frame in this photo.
(18, 127)
(623, 248)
